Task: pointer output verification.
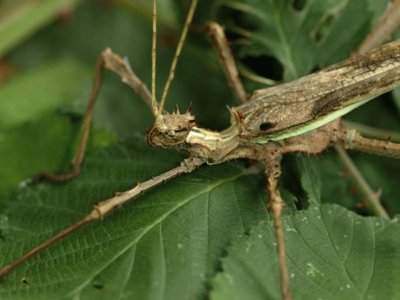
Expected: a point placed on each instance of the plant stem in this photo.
(361, 183)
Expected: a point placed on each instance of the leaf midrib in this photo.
(156, 222)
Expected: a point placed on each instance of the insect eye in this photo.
(266, 126)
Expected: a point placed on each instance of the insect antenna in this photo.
(178, 51)
(154, 104)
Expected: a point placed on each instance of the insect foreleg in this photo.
(103, 208)
(121, 67)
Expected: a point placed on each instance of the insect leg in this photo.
(115, 63)
(103, 208)
(221, 45)
(369, 194)
(385, 27)
(273, 172)
(352, 139)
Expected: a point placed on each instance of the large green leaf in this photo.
(48, 144)
(46, 141)
(167, 244)
(332, 254)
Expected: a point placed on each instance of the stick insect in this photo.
(259, 130)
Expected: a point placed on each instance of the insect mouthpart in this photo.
(170, 130)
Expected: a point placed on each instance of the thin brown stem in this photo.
(227, 61)
(273, 172)
(371, 197)
(352, 139)
(249, 74)
(372, 132)
(385, 27)
(171, 76)
(105, 207)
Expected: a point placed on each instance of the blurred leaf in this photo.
(32, 140)
(167, 244)
(306, 37)
(396, 95)
(48, 145)
(51, 137)
(40, 91)
(21, 18)
(333, 254)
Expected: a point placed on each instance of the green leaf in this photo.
(49, 143)
(307, 38)
(51, 134)
(332, 254)
(37, 92)
(396, 95)
(310, 180)
(45, 141)
(166, 244)
(20, 19)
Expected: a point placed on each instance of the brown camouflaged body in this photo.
(314, 96)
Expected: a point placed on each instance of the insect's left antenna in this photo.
(178, 51)
(154, 104)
